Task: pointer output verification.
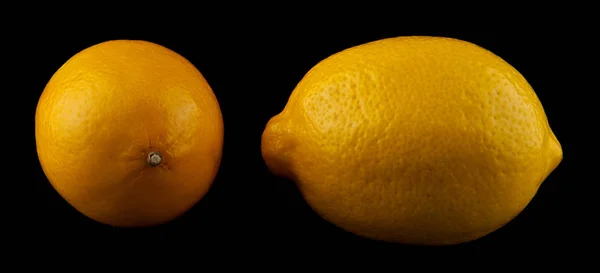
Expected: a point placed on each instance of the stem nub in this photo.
(154, 159)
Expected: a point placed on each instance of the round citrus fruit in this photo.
(414, 140)
(129, 133)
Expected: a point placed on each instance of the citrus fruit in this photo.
(414, 140)
(129, 133)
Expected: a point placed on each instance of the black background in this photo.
(253, 67)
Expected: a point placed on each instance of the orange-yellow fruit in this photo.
(129, 133)
(415, 140)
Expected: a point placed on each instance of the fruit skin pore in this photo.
(106, 110)
(415, 140)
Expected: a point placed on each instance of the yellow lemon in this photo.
(415, 140)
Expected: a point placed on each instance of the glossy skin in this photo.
(105, 110)
(415, 140)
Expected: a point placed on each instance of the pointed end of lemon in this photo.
(555, 151)
(276, 146)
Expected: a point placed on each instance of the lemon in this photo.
(414, 140)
